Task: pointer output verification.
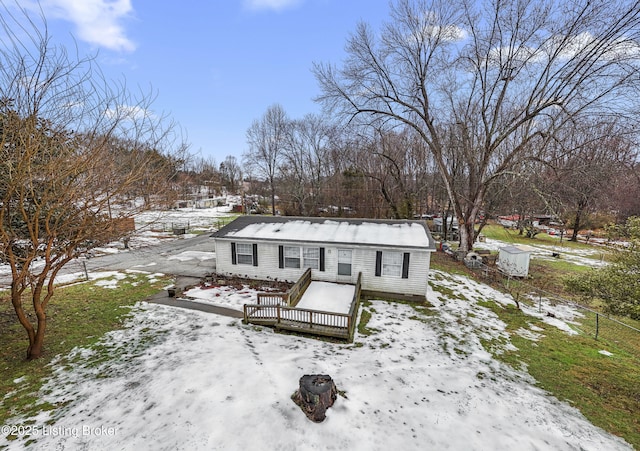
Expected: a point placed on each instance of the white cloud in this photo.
(276, 5)
(130, 112)
(98, 22)
(562, 48)
(430, 29)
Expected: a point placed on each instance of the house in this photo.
(392, 255)
(537, 220)
(452, 224)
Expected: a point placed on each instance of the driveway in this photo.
(193, 257)
(189, 257)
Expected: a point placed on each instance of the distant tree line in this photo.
(588, 177)
(463, 108)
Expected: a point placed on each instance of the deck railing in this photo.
(273, 298)
(290, 298)
(270, 312)
(355, 302)
(298, 289)
(303, 320)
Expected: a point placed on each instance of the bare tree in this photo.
(625, 194)
(502, 76)
(267, 139)
(75, 152)
(387, 160)
(583, 165)
(231, 174)
(305, 162)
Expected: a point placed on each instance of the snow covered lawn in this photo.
(584, 257)
(185, 380)
(196, 218)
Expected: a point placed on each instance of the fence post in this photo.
(597, 324)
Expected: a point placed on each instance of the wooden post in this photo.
(539, 303)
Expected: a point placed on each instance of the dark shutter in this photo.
(280, 256)
(378, 263)
(405, 266)
(255, 254)
(233, 254)
(322, 259)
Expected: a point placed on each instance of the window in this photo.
(301, 257)
(244, 254)
(311, 257)
(344, 262)
(291, 257)
(392, 264)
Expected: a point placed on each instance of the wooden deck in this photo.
(274, 310)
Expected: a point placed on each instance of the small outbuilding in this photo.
(393, 256)
(514, 260)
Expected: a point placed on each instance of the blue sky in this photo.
(216, 65)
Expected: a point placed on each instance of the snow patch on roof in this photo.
(374, 233)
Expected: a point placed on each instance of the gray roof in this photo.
(349, 231)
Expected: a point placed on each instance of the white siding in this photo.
(514, 263)
(363, 260)
(416, 283)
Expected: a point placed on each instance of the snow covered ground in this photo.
(176, 379)
(196, 218)
(186, 380)
(585, 257)
(155, 226)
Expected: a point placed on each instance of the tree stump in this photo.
(316, 394)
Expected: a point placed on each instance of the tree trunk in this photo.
(34, 351)
(467, 219)
(467, 234)
(316, 394)
(576, 222)
(23, 319)
(273, 202)
(483, 222)
(36, 340)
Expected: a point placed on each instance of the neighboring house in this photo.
(393, 256)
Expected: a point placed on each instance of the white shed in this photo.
(514, 260)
